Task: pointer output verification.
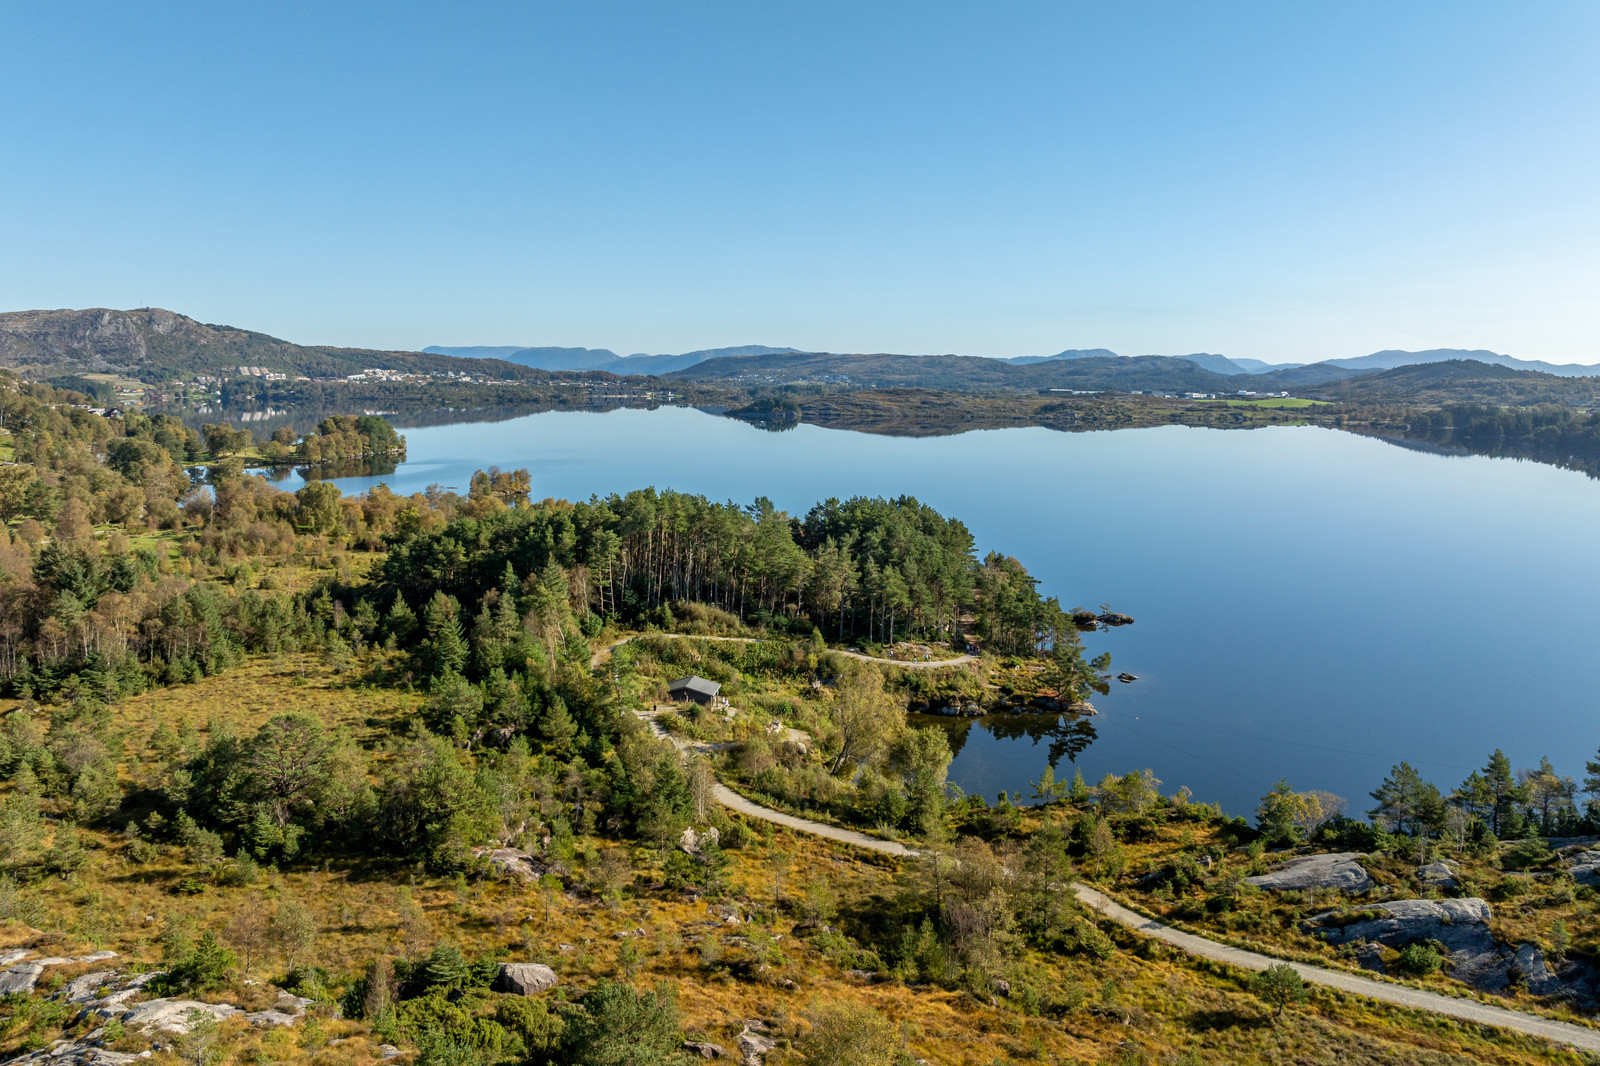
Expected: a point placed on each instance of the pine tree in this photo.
(449, 650)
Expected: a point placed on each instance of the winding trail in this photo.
(1564, 1033)
(602, 654)
(1466, 1009)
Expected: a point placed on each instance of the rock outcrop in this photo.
(1461, 926)
(525, 978)
(512, 861)
(1585, 868)
(704, 1049)
(1438, 875)
(1338, 870)
(173, 1015)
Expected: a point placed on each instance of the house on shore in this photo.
(693, 688)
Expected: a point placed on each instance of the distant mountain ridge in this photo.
(1394, 359)
(1279, 373)
(604, 358)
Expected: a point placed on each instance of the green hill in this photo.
(154, 345)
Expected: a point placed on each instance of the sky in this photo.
(1287, 182)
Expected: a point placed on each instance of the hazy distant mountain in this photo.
(605, 358)
(1460, 381)
(964, 372)
(1391, 359)
(1070, 353)
(1217, 364)
(485, 351)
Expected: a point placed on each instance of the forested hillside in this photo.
(157, 345)
(346, 778)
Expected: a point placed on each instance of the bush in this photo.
(202, 968)
(619, 1024)
(1342, 833)
(1420, 960)
(1526, 854)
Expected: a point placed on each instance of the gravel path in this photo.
(1465, 1009)
(908, 664)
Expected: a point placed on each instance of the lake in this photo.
(1310, 604)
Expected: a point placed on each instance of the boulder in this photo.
(525, 978)
(90, 987)
(1438, 874)
(1370, 957)
(704, 1049)
(172, 1015)
(1338, 870)
(20, 978)
(691, 842)
(270, 1018)
(1585, 868)
(1081, 707)
(1112, 618)
(9, 957)
(754, 1046)
(1530, 964)
(388, 1051)
(513, 861)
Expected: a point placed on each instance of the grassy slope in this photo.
(1162, 1004)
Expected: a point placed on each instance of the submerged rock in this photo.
(1337, 870)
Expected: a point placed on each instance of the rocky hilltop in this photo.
(154, 344)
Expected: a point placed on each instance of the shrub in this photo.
(202, 968)
(1526, 854)
(619, 1024)
(1420, 960)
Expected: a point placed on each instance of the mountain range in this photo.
(1327, 370)
(603, 358)
(157, 345)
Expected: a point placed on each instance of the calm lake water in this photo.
(1310, 604)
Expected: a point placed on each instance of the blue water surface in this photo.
(1310, 604)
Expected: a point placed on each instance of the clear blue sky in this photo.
(1274, 180)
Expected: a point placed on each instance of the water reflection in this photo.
(1069, 735)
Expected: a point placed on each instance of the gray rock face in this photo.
(1530, 963)
(1437, 874)
(9, 957)
(265, 1018)
(1339, 870)
(705, 1049)
(75, 1053)
(1370, 957)
(20, 978)
(525, 978)
(513, 861)
(754, 1047)
(1461, 925)
(90, 987)
(1585, 868)
(172, 1015)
